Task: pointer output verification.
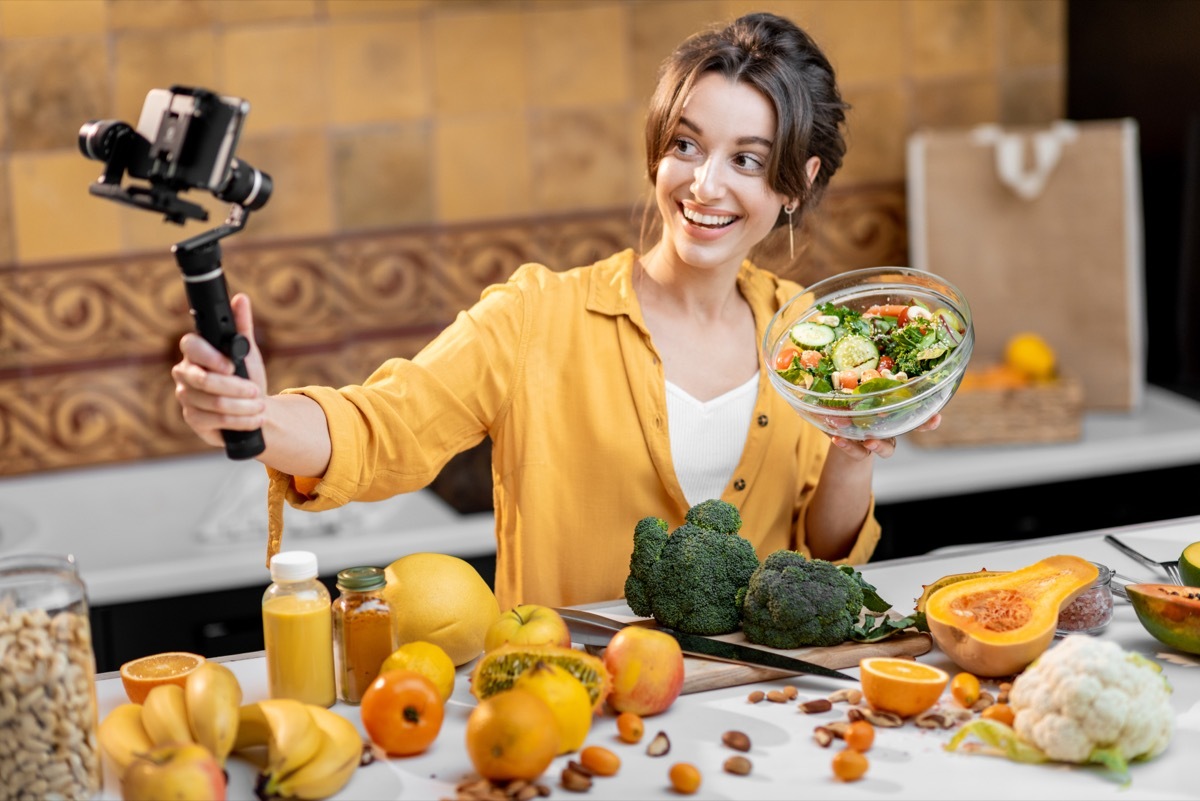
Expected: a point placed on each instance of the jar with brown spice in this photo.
(1092, 609)
(363, 635)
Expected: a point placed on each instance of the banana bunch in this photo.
(203, 711)
(311, 753)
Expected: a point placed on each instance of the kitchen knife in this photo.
(588, 628)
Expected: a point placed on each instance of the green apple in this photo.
(178, 772)
(528, 624)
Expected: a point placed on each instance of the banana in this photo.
(122, 736)
(213, 697)
(330, 769)
(252, 730)
(293, 736)
(164, 714)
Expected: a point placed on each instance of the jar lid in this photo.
(293, 565)
(361, 578)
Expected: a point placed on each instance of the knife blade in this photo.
(588, 628)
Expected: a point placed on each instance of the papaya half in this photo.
(996, 623)
(1170, 613)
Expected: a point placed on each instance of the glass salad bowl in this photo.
(870, 353)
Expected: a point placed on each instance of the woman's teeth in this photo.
(707, 220)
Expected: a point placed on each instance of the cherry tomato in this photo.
(810, 359)
(402, 712)
(783, 359)
(886, 362)
(902, 318)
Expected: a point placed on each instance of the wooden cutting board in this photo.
(707, 674)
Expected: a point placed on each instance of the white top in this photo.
(707, 437)
(293, 566)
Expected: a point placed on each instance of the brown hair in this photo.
(780, 60)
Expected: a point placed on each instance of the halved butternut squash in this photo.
(996, 624)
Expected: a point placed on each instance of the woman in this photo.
(627, 388)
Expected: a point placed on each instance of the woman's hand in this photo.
(883, 448)
(210, 396)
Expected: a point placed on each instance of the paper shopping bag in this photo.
(1041, 229)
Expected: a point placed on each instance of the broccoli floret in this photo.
(694, 578)
(649, 537)
(793, 601)
(715, 515)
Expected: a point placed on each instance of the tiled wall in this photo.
(420, 150)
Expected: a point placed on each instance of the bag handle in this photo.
(1010, 148)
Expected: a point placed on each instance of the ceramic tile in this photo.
(358, 9)
(656, 29)
(579, 56)
(383, 177)
(877, 132)
(1033, 32)
(283, 70)
(301, 204)
(956, 103)
(1033, 97)
(863, 40)
(160, 14)
(235, 11)
(50, 91)
(478, 65)
(7, 252)
(55, 217)
(147, 60)
(952, 37)
(58, 18)
(481, 165)
(377, 71)
(580, 160)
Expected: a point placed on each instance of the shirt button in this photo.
(762, 420)
(739, 485)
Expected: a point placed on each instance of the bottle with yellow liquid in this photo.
(298, 631)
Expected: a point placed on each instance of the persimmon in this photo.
(402, 711)
(512, 735)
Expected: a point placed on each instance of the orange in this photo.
(902, 686)
(140, 676)
(512, 735)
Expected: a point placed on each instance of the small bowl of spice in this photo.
(1092, 610)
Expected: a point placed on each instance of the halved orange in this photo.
(903, 686)
(140, 676)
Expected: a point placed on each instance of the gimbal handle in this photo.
(200, 260)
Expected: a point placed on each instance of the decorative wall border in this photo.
(86, 347)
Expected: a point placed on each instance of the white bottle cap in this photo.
(293, 566)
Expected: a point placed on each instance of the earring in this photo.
(791, 232)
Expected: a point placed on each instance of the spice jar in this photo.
(363, 635)
(48, 715)
(1092, 610)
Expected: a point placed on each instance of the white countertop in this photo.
(1163, 432)
(907, 762)
(179, 526)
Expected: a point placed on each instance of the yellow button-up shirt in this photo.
(559, 370)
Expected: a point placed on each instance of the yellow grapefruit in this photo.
(443, 600)
(902, 686)
(427, 659)
(567, 698)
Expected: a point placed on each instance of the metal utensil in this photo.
(588, 628)
(1170, 568)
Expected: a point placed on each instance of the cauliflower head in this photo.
(1086, 697)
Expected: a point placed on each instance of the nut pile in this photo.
(479, 789)
(47, 705)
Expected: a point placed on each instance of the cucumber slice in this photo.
(811, 336)
(855, 352)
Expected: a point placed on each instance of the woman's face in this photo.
(711, 188)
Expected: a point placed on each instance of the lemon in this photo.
(427, 659)
(1189, 565)
(1030, 354)
(443, 600)
(567, 698)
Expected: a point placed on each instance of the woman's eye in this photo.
(685, 147)
(748, 162)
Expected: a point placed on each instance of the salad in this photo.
(841, 353)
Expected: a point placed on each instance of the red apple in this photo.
(182, 772)
(646, 667)
(528, 624)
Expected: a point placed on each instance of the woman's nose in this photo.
(707, 184)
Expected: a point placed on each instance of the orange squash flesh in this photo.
(995, 625)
